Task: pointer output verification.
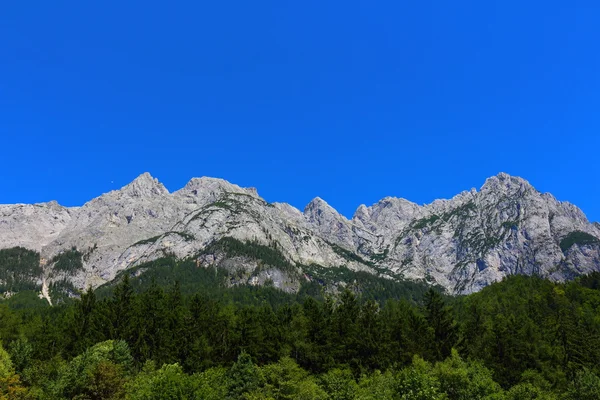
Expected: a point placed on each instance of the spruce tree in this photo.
(442, 324)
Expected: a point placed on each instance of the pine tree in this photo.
(345, 341)
(244, 377)
(441, 322)
(149, 323)
(370, 331)
(85, 327)
(123, 307)
(173, 333)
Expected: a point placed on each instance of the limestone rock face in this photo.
(329, 223)
(463, 244)
(477, 238)
(32, 225)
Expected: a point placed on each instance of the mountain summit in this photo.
(462, 244)
(145, 186)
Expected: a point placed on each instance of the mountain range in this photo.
(462, 244)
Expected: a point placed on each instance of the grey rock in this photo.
(463, 244)
(32, 226)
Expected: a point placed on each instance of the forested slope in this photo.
(521, 338)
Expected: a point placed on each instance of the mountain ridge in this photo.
(463, 243)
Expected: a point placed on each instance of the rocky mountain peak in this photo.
(317, 201)
(203, 190)
(463, 243)
(319, 210)
(361, 213)
(389, 213)
(504, 183)
(145, 186)
(329, 223)
(394, 203)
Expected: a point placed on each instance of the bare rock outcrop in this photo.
(463, 244)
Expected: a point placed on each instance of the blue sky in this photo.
(351, 101)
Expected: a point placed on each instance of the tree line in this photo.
(521, 338)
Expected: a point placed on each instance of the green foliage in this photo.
(25, 299)
(235, 248)
(368, 285)
(522, 338)
(590, 281)
(97, 373)
(166, 383)
(62, 291)
(21, 352)
(150, 240)
(462, 380)
(380, 256)
(339, 384)
(285, 380)
(244, 377)
(69, 261)
(19, 270)
(577, 238)
(210, 384)
(348, 255)
(186, 236)
(526, 391)
(11, 387)
(461, 212)
(441, 324)
(424, 222)
(377, 386)
(417, 383)
(6, 365)
(586, 385)
(165, 272)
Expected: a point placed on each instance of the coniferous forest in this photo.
(522, 338)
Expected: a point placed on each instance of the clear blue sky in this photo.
(350, 101)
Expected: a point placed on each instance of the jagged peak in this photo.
(504, 181)
(145, 177)
(145, 185)
(317, 203)
(207, 184)
(361, 212)
(440, 205)
(317, 200)
(317, 207)
(399, 207)
(49, 204)
(394, 201)
(55, 205)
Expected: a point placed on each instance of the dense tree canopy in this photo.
(522, 338)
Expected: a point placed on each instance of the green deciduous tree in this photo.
(97, 373)
(462, 380)
(285, 380)
(339, 384)
(585, 385)
(418, 383)
(167, 383)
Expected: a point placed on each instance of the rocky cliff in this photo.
(463, 244)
